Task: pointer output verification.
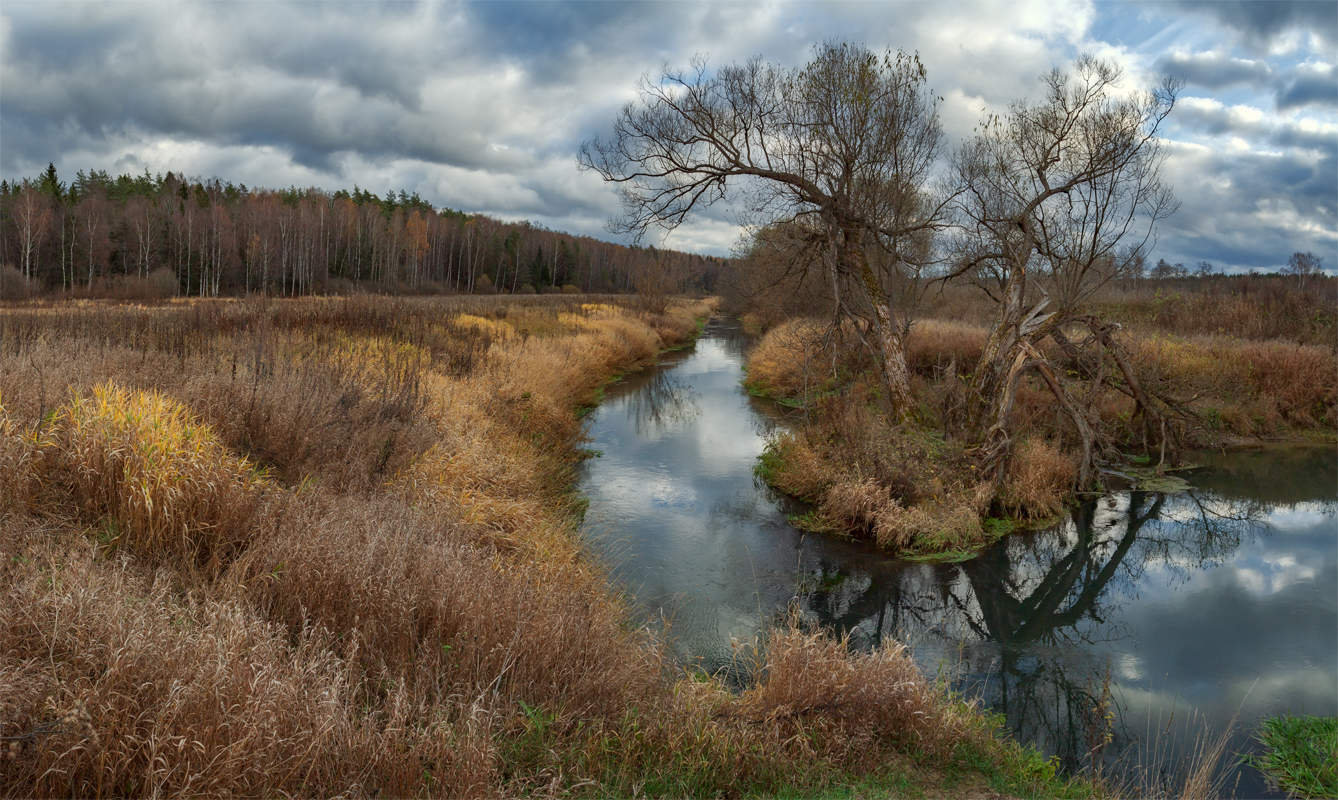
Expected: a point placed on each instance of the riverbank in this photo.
(917, 493)
(327, 546)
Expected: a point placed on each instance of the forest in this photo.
(164, 236)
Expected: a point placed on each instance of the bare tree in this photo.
(1303, 265)
(1059, 197)
(839, 150)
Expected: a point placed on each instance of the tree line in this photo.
(1301, 265)
(210, 238)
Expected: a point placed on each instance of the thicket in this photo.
(328, 546)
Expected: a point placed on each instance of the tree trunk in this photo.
(889, 333)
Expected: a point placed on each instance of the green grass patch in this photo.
(943, 556)
(1301, 755)
(768, 464)
(1013, 769)
(997, 527)
(813, 522)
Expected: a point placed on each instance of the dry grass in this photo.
(788, 361)
(1244, 387)
(1039, 480)
(158, 482)
(850, 708)
(327, 546)
(118, 683)
(912, 491)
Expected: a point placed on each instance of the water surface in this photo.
(1176, 613)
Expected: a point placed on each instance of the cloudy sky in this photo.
(481, 106)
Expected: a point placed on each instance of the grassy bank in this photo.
(1301, 755)
(328, 546)
(916, 492)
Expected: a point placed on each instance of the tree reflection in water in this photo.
(1031, 614)
(662, 403)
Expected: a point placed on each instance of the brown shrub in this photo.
(13, 286)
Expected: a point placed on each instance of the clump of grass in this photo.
(849, 707)
(911, 492)
(787, 364)
(1301, 755)
(1040, 478)
(19, 457)
(164, 478)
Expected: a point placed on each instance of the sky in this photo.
(482, 106)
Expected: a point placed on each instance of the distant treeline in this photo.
(172, 235)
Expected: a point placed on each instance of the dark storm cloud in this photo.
(334, 89)
(1246, 210)
(1215, 71)
(1260, 22)
(1312, 85)
(1303, 85)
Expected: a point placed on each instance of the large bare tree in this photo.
(839, 151)
(1059, 196)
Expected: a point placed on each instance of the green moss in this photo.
(997, 527)
(1301, 754)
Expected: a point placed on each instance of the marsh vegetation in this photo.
(325, 546)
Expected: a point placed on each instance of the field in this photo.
(328, 546)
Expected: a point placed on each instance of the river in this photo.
(1176, 613)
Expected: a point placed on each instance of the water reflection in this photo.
(1218, 600)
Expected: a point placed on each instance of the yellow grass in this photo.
(155, 480)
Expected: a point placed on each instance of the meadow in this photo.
(329, 546)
